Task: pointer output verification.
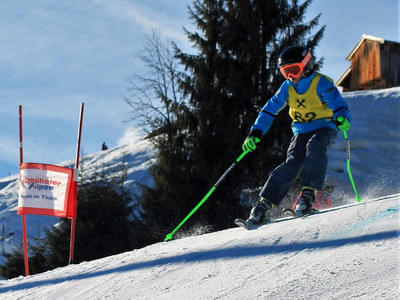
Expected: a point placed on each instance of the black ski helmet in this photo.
(295, 54)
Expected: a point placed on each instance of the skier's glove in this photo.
(342, 123)
(250, 144)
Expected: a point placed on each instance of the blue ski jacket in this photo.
(314, 102)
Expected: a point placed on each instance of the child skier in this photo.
(314, 105)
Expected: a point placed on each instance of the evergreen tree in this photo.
(161, 109)
(14, 266)
(105, 226)
(226, 83)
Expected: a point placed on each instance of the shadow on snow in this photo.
(225, 253)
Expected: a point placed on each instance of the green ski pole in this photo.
(170, 235)
(358, 199)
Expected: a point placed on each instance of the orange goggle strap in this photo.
(295, 70)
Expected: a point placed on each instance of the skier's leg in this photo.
(280, 180)
(282, 177)
(316, 158)
(304, 204)
(257, 213)
(314, 168)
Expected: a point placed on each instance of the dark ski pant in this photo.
(307, 152)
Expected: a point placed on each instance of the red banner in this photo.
(47, 190)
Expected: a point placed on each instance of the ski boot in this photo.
(258, 212)
(304, 204)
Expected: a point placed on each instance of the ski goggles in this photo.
(295, 70)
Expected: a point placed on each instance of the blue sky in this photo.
(56, 54)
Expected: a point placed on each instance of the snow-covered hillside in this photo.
(341, 254)
(375, 144)
(345, 253)
(134, 158)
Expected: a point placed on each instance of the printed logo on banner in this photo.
(43, 189)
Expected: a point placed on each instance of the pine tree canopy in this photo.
(226, 81)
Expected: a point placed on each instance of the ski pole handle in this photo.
(340, 120)
(242, 155)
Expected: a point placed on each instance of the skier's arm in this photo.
(331, 95)
(270, 110)
(265, 118)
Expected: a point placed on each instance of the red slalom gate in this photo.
(47, 189)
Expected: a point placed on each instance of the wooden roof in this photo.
(343, 77)
(363, 38)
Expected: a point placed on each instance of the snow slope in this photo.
(345, 253)
(375, 144)
(136, 158)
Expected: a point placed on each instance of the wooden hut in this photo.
(375, 64)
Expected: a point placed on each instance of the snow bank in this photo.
(375, 145)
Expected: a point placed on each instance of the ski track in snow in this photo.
(349, 253)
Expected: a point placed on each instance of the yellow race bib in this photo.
(308, 107)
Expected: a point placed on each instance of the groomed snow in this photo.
(346, 253)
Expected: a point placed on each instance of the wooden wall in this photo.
(374, 65)
(390, 63)
(366, 67)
